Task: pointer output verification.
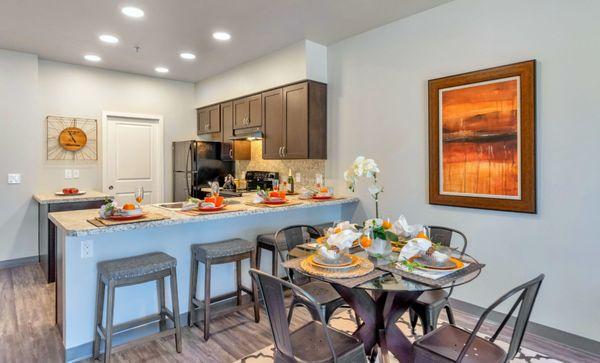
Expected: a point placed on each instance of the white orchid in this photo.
(363, 167)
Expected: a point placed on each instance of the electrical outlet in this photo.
(68, 174)
(14, 178)
(75, 173)
(298, 178)
(87, 249)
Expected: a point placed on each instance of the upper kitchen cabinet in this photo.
(295, 122)
(230, 149)
(247, 112)
(209, 120)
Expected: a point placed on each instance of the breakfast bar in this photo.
(81, 245)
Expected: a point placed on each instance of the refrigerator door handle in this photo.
(187, 170)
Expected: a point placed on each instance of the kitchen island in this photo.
(76, 276)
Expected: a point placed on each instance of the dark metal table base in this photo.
(379, 314)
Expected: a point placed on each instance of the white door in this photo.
(133, 156)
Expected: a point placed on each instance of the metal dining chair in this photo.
(450, 343)
(328, 300)
(431, 303)
(314, 341)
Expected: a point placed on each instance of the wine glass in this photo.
(214, 189)
(139, 196)
(275, 185)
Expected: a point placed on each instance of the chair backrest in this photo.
(528, 293)
(272, 290)
(443, 236)
(291, 236)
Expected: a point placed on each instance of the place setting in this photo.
(111, 213)
(272, 199)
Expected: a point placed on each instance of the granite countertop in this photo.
(75, 223)
(49, 198)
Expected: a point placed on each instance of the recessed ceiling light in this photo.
(92, 58)
(107, 38)
(132, 11)
(221, 36)
(188, 56)
(162, 69)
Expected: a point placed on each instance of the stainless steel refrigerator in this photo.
(195, 164)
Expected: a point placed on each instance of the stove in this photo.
(261, 179)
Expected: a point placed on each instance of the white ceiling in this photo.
(65, 30)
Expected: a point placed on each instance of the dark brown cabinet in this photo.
(230, 149)
(295, 122)
(209, 120)
(247, 112)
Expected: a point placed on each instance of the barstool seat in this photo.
(222, 249)
(234, 250)
(129, 271)
(135, 266)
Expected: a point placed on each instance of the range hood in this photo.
(253, 133)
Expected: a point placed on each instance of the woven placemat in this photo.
(228, 209)
(442, 281)
(289, 203)
(150, 217)
(349, 282)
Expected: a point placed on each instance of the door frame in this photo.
(160, 154)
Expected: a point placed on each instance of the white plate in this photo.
(81, 192)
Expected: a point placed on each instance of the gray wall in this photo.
(29, 91)
(21, 139)
(378, 108)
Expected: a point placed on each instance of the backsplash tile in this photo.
(307, 168)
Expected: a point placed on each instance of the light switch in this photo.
(68, 174)
(75, 173)
(14, 178)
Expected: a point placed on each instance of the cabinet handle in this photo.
(231, 153)
(283, 150)
(280, 152)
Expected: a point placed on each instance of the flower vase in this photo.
(380, 248)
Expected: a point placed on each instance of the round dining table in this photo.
(380, 302)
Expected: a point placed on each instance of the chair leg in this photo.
(258, 256)
(110, 309)
(450, 314)
(207, 268)
(413, 320)
(430, 323)
(275, 263)
(253, 260)
(290, 312)
(193, 286)
(98, 320)
(160, 291)
(175, 305)
(238, 281)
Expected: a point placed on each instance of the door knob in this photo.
(110, 187)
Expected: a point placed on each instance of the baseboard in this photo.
(18, 262)
(575, 341)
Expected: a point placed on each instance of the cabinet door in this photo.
(241, 113)
(255, 111)
(227, 131)
(202, 121)
(273, 124)
(214, 119)
(295, 117)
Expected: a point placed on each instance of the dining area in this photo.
(339, 267)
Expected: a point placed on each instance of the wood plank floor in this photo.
(28, 334)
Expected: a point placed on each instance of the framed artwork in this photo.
(482, 139)
(71, 138)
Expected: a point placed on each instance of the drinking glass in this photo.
(139, 195)
(214, 189)
(275, 184)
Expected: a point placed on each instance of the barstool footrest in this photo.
(142, 340)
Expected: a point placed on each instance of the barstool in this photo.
(267, 242)
(234, 250)
(130, 271)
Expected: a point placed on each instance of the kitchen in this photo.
(154, 153)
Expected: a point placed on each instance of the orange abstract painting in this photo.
(479, 148)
